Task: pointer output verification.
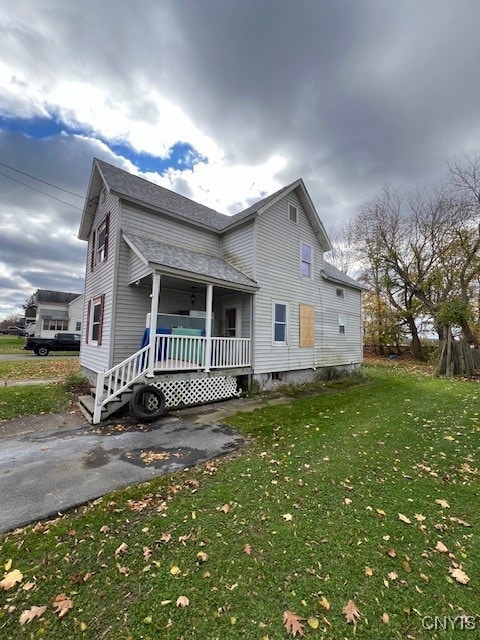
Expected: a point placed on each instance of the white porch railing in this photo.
(173, 353)
(113, 382)
(180, 353)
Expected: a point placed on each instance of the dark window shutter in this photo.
(100, 327)
(107, 229)
(92, 256)
(89, 308)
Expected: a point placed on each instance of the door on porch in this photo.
(232, 319)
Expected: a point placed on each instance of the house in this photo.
(56, 312)
(197, 303)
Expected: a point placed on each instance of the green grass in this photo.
(316, 496)
(19, 401)
(11, 344)
(38, 368)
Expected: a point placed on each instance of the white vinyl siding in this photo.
(101, 280)
(340, 348)
(277, 272)
(238, 248)
(169, 230)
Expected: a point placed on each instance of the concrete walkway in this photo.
(52, 463)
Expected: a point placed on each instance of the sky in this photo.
(224, 101)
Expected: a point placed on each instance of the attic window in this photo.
(340, 293)
(292, 213)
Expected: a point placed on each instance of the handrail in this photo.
(113, 382)
(173, 353)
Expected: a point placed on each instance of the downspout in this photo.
(208, 327)
(153, 324)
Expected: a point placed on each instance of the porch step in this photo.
(86, 404)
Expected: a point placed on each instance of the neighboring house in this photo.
(56, 312)
(211, 300)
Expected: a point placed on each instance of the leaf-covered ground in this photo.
(353, 513)
(38, 368)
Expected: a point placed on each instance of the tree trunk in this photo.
(468, 334)
(415, 345)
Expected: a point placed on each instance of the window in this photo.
(306, 261)
(292, 213)
(55, 325)
(280, 323)
(100, 242)
(78, 326)
(340, 293)
(341, 324)
(95, 320)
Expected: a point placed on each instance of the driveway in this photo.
(44, 471)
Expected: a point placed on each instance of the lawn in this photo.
(11, 344)
(357, 504)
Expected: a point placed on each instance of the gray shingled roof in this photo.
(60, 297)
(135, 188)
(185, 260)
(329, 272)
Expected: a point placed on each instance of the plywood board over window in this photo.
(307, 326)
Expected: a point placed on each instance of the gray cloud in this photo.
(352, 94)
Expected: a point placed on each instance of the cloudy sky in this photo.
(223, 101)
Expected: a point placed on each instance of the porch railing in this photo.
(119, 378)
(174, 353)
(179, 353)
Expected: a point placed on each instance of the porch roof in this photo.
(187, 263)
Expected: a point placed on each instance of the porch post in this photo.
(153, 323)
(208, 327)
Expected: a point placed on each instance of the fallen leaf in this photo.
(28, 585)
(11, 579)
(165, 537)
(292, 623)
(62, 605)
(351, 612)
(390, 551)
(8, 564)
(393, 576)
(247, 549)
(348, 501)
(419, 517)
(368, 571)
(121, 549)
(175, 570)
(225, 508)
(287, 517)
(385, 618)
(459, 575)
(443, 503)
(458, 521)
(381, 513)
(30, 614)
(313, 622)
(404, 518)
(182, 601)
(441, 547)
(202, 556)
(324, 603)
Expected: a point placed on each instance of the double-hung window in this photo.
(306, 260)
(95, 320)
(100, 242)
(342, 323)
(280, 323)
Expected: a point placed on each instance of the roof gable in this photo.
(146, 193)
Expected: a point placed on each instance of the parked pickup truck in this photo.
(60, 342)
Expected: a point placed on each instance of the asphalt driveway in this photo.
(45, 471)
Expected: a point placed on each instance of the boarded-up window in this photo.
(307, 326)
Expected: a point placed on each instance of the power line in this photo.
(39, 191)
(40, 180)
